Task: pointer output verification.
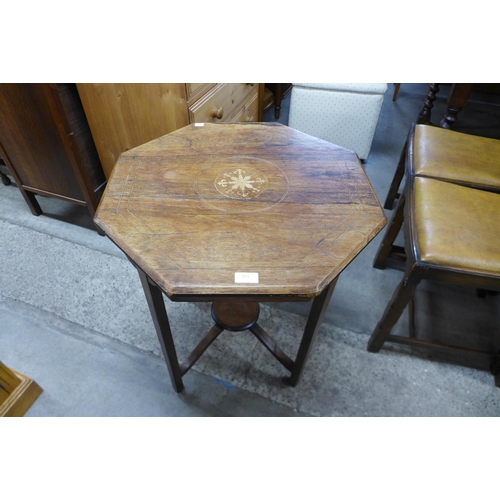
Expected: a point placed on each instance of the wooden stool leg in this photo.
(402, 295)
(318, 310)
(156, 305)
(396, 180)
(390, 235)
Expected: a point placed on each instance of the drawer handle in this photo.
(217, 113)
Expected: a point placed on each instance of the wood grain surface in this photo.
(17, 392)
(124, 115)
(197, 206)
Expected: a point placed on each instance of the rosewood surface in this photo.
(196, 206)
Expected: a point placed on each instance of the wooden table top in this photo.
(211, 209)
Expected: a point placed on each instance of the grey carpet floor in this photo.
(102, 293)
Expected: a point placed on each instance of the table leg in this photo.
(318, 310)
(154, 297)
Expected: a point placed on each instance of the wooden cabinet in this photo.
(46, 143)
(123, 116)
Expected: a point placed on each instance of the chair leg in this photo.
(396, 180)
(390, 234)
(400, 299)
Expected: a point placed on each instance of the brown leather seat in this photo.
(452, 234)
(444, 154)
(453, 156)
(457, 227)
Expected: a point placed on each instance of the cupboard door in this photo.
(195, 90)
(123, 116)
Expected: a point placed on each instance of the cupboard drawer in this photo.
(248, 111)
(195, 90)
(220, 103)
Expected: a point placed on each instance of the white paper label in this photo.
(199, 124)
(246, 277)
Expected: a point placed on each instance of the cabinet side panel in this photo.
(79, 137)
(32, 141)
(123, 116)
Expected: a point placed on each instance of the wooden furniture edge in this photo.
(22, 396)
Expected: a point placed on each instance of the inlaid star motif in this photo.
(241, 183)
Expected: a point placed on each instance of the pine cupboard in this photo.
(123, 116)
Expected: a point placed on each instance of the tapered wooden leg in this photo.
(396, 180)
(156, 305)
(318, 310)
(32, 202)
(390, 234)
(402, 295)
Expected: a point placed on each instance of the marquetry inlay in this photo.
(241, 183)
(228, 183)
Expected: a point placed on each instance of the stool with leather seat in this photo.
(451, 232)
(448, 155)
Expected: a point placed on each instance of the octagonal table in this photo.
(237, 214)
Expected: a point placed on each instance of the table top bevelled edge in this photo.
(312, 282)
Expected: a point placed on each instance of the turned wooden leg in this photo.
(457, 100)
(402, 295)
(396, 181)
(154, 297)
(451, 117)
(425, 115)
(318, 310)
(390, 234)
